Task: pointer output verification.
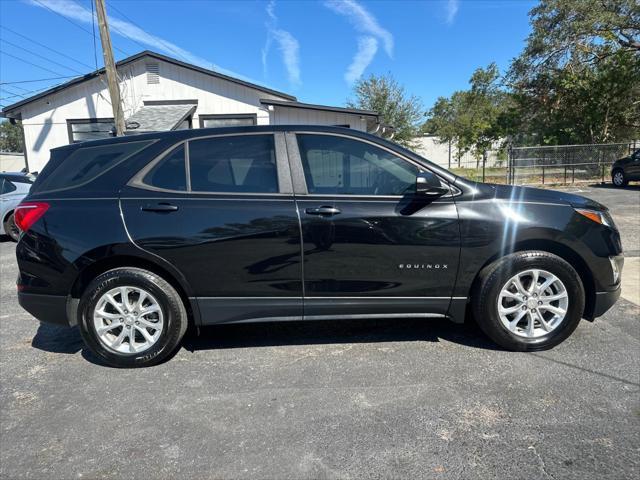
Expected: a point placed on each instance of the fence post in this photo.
(543, 174)
(573, 174)
(565, 175)
(484, 163)
(602, 182)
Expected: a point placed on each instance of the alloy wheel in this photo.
(618, 179)
(128, 320)
(533, 303)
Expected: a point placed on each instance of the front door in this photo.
(221, 210)
(371, 247)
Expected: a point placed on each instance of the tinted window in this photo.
(239, 163)
(170, 172)
(86, 164)
(7, 186)
(342, 166)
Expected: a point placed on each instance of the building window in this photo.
(231, 120)
(83, 129)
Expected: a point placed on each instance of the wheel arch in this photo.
(566, 253)
(99, 267)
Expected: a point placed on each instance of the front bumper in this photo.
(604, 301)
(57, 309)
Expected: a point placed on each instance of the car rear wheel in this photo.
(618, 178)
(130, 317)
(529, 300)
(11, 229)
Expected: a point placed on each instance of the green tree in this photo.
(396, 108)
(578, 78)
(474, 119)
(10, 137)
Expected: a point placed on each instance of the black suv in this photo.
(134, 238)
(626, 169)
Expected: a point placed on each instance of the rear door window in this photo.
(234, 164)
(86, 164)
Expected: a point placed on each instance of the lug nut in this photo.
(524, 307)
(137, 322)
(535, 294)
(533, 310)
(539, 303)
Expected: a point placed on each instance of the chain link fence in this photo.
(565, 164)
(543, 165)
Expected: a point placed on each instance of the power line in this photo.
(41, 56)
(38, 80)
(30, 63)
(111, 26)
(69, 57)
(112, 5)
(24, 95)
(74, 23)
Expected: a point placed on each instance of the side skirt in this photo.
(217, 310)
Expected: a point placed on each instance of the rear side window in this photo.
(170, 172)
(7, 186)
(86, 164)
(234, 164)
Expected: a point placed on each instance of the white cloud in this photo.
(366, 23)
(367, 48)
(287, 44)
(362, 20)
(75, 11)
(451, 11)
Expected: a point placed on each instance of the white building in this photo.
(162, 93)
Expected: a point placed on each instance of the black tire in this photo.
(618, 178)
(11, 229)
(493, 278)
(171, 304)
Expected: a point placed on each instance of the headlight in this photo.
(603, 218)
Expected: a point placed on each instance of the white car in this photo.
(13, 188)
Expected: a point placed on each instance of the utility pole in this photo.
(110, 68)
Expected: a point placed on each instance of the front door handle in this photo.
(160, 207)
(323, 211)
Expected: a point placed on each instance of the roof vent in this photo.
(153, 73)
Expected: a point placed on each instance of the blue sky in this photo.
(312, 49)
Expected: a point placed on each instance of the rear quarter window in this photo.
(85, 164)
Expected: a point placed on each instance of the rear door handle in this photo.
(160, 207)
(323, 211)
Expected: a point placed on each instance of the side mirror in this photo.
(429, 185)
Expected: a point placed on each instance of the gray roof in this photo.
(158, 118)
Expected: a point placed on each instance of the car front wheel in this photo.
(130, 317)
(530, 300)
(618, 178)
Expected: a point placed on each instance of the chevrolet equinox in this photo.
(134, 238)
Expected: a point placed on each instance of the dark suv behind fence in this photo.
(135, 238)
(626, 169)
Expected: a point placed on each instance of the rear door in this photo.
(221, 210)
(371, 247)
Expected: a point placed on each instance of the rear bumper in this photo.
(604, 301)
(50, 308)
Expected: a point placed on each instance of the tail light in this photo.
(28, 213)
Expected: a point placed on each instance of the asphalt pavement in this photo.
(344, 399)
